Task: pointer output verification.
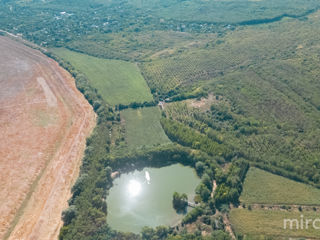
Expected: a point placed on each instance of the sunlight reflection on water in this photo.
(134, 188)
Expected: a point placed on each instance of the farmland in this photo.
(266, 188)
(239, 81)
(143, 127)
(259, 223)
(44, 122)
(118, 82)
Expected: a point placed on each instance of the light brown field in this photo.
(44, 121)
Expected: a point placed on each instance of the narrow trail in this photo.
(214, 187)
(228, 226)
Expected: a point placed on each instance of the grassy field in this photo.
(143, 127)
(118, 82)
(258, 223)
(263, 187)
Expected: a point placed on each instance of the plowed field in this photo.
(44, 121)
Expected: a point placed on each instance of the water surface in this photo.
(144, 198)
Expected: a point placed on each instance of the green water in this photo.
(144, 198)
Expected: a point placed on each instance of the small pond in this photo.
(144, 198)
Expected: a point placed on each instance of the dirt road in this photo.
(44, 121)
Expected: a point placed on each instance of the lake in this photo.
(144, 198)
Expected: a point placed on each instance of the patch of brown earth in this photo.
(204, 104)
(44, 122)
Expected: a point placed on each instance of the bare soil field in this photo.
(44, 122)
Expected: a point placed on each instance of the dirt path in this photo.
(214, 187)
(44, 121)
(228, 226)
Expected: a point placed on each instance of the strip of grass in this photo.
(271, 223)
(143, 127)
(118, 82)
(263, 187)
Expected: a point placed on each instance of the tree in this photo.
(147, 233)
(199, 168)
(162, 232)
(192, 215)
(206, 180)
(204, 192)
(180, 201)
(68, 214)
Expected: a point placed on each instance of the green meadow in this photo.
(143, 127)
(266, 188)
(119, 82)
(257, 224)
